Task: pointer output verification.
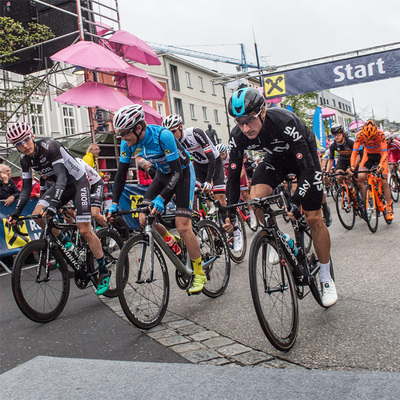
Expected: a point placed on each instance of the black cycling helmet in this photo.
(337, 128)
(245, 101)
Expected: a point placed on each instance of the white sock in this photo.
(236, 231)
(252, 215)
(324, 272)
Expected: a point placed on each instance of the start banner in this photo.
(346, 72)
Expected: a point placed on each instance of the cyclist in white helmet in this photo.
(175, 175)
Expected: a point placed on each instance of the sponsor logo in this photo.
(303, 189)
(274, 85)
(299, 156)
(84, 196)
(233, 166)
(280, 149)
(318, 180)
(269, 166)
(43, 160)
(291, 131)
(166, 151)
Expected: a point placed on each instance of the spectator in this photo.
(144, 172)
(91, 156)
(8, 190)
(212, 134)
(35, 194)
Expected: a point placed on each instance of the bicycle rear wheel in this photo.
(215, 257)
(371, 212)
(112, 243)
(39, 295)
(345, 209)
(238, 256)
(143, 289)
(273, 292)
(394, 187)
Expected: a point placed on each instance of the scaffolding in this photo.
(89, 14)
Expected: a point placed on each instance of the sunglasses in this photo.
(23, 141)
(123, 134)
(248, 120)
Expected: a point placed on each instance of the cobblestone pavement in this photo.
(201, 346)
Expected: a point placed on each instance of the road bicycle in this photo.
(142, 275)
(218, 217)
(374, 200)
(331, 185)
(279, 274)
(348, 201)
(41, 278)
(394, 181)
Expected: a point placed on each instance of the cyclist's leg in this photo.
(97, 191)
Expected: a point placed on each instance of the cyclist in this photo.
(343, 145)
(393, 146)
(175, 175)
(244, 186)
(289, 147)
(375, 153)
(49, 158)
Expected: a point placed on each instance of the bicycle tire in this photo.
(238, 256)
(112, 243)
(144, 302)
(40, 301)
(279, 294)
(371, 212)
(213, 245)
(345, 209)
(394, 187)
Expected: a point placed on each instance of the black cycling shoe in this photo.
(326, 211)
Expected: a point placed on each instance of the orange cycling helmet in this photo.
(370, 129)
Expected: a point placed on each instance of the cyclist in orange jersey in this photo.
(375, 153)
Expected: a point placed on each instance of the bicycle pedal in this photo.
(193, 294)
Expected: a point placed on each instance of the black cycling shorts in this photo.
(78, 192)
(273, 170)
(218, 178)
(342, 164)
(96, 194)
(184, 191)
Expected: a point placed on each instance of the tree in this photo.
(303, 106)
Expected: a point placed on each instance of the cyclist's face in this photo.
(27, 147)
(252, 124)
(178, 132)
(339, 137)
(129, 136)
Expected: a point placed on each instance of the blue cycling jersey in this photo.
(159, 147)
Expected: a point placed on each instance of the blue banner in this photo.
(318, 127)
(346, 72)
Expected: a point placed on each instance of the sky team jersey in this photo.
(159, 147)
(198, 144)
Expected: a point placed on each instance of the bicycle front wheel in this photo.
(41, 295)
(215, 257)
(371, 212)
(345, 209)
(273, 292)
(394, 187)
(143, 288)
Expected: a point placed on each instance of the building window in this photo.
(37, 120)
(205, 113)
(213, 89)
(216, 117)
(320, 101)
(174, 77)
(161, 109)
(69, 120)
(340, 104)
(178, 107)
(334, 102)
(201, 85)
(192, 112)
(188, 80)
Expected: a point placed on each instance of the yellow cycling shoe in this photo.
(198, 283)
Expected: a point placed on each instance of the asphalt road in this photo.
(361, 332)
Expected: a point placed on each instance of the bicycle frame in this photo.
(376, 186)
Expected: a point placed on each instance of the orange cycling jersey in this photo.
(375, 145)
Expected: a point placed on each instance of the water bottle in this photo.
(171, 242)
(291, 244)
(70, 247)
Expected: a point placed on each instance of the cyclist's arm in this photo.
(354, 153)
(62, 175)
(384, 150)
(120, 180)
(204, 142)
(235, 167)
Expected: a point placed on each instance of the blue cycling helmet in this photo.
(245, 101)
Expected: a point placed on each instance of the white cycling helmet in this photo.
(128, 116)
(222, 148)
(18, 131)
(172, 121)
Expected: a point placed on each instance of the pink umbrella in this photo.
(92, 56)
(139, 84)
(94, 95)
(328, 112)
(356, 124)
(151, 115)
(131, 47)
(102, 28)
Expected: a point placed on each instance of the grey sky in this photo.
(286, 31)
